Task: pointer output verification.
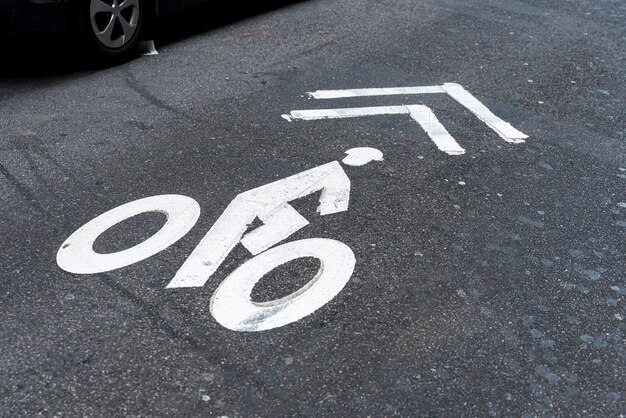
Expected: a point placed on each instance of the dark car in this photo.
(111, 28)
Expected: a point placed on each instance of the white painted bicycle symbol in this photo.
(231, 304)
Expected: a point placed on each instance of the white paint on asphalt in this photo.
(277, 226)
(422, 114)
(231, 304)
(502, 128)
(353, 112)
(435, 130)
(269, 203)
(389, 91)
(361, 156)
(76, 254)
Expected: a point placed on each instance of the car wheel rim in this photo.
(114, 22)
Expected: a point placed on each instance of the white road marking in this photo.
(352, 112)
(502, 128)
(389, 91)
(76, 254)
(422, 114)
(361, 156)
(277, 226)
(231, 304)
(270, 204)
(435, 130)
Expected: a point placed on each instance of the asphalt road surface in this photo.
(485, 283)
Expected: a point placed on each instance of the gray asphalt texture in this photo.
(505, 296)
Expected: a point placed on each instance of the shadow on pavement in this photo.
(46, 55)
(177, 26)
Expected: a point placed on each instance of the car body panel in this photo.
(23, 16)
(28, 16)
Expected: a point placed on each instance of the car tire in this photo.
(113, 28)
